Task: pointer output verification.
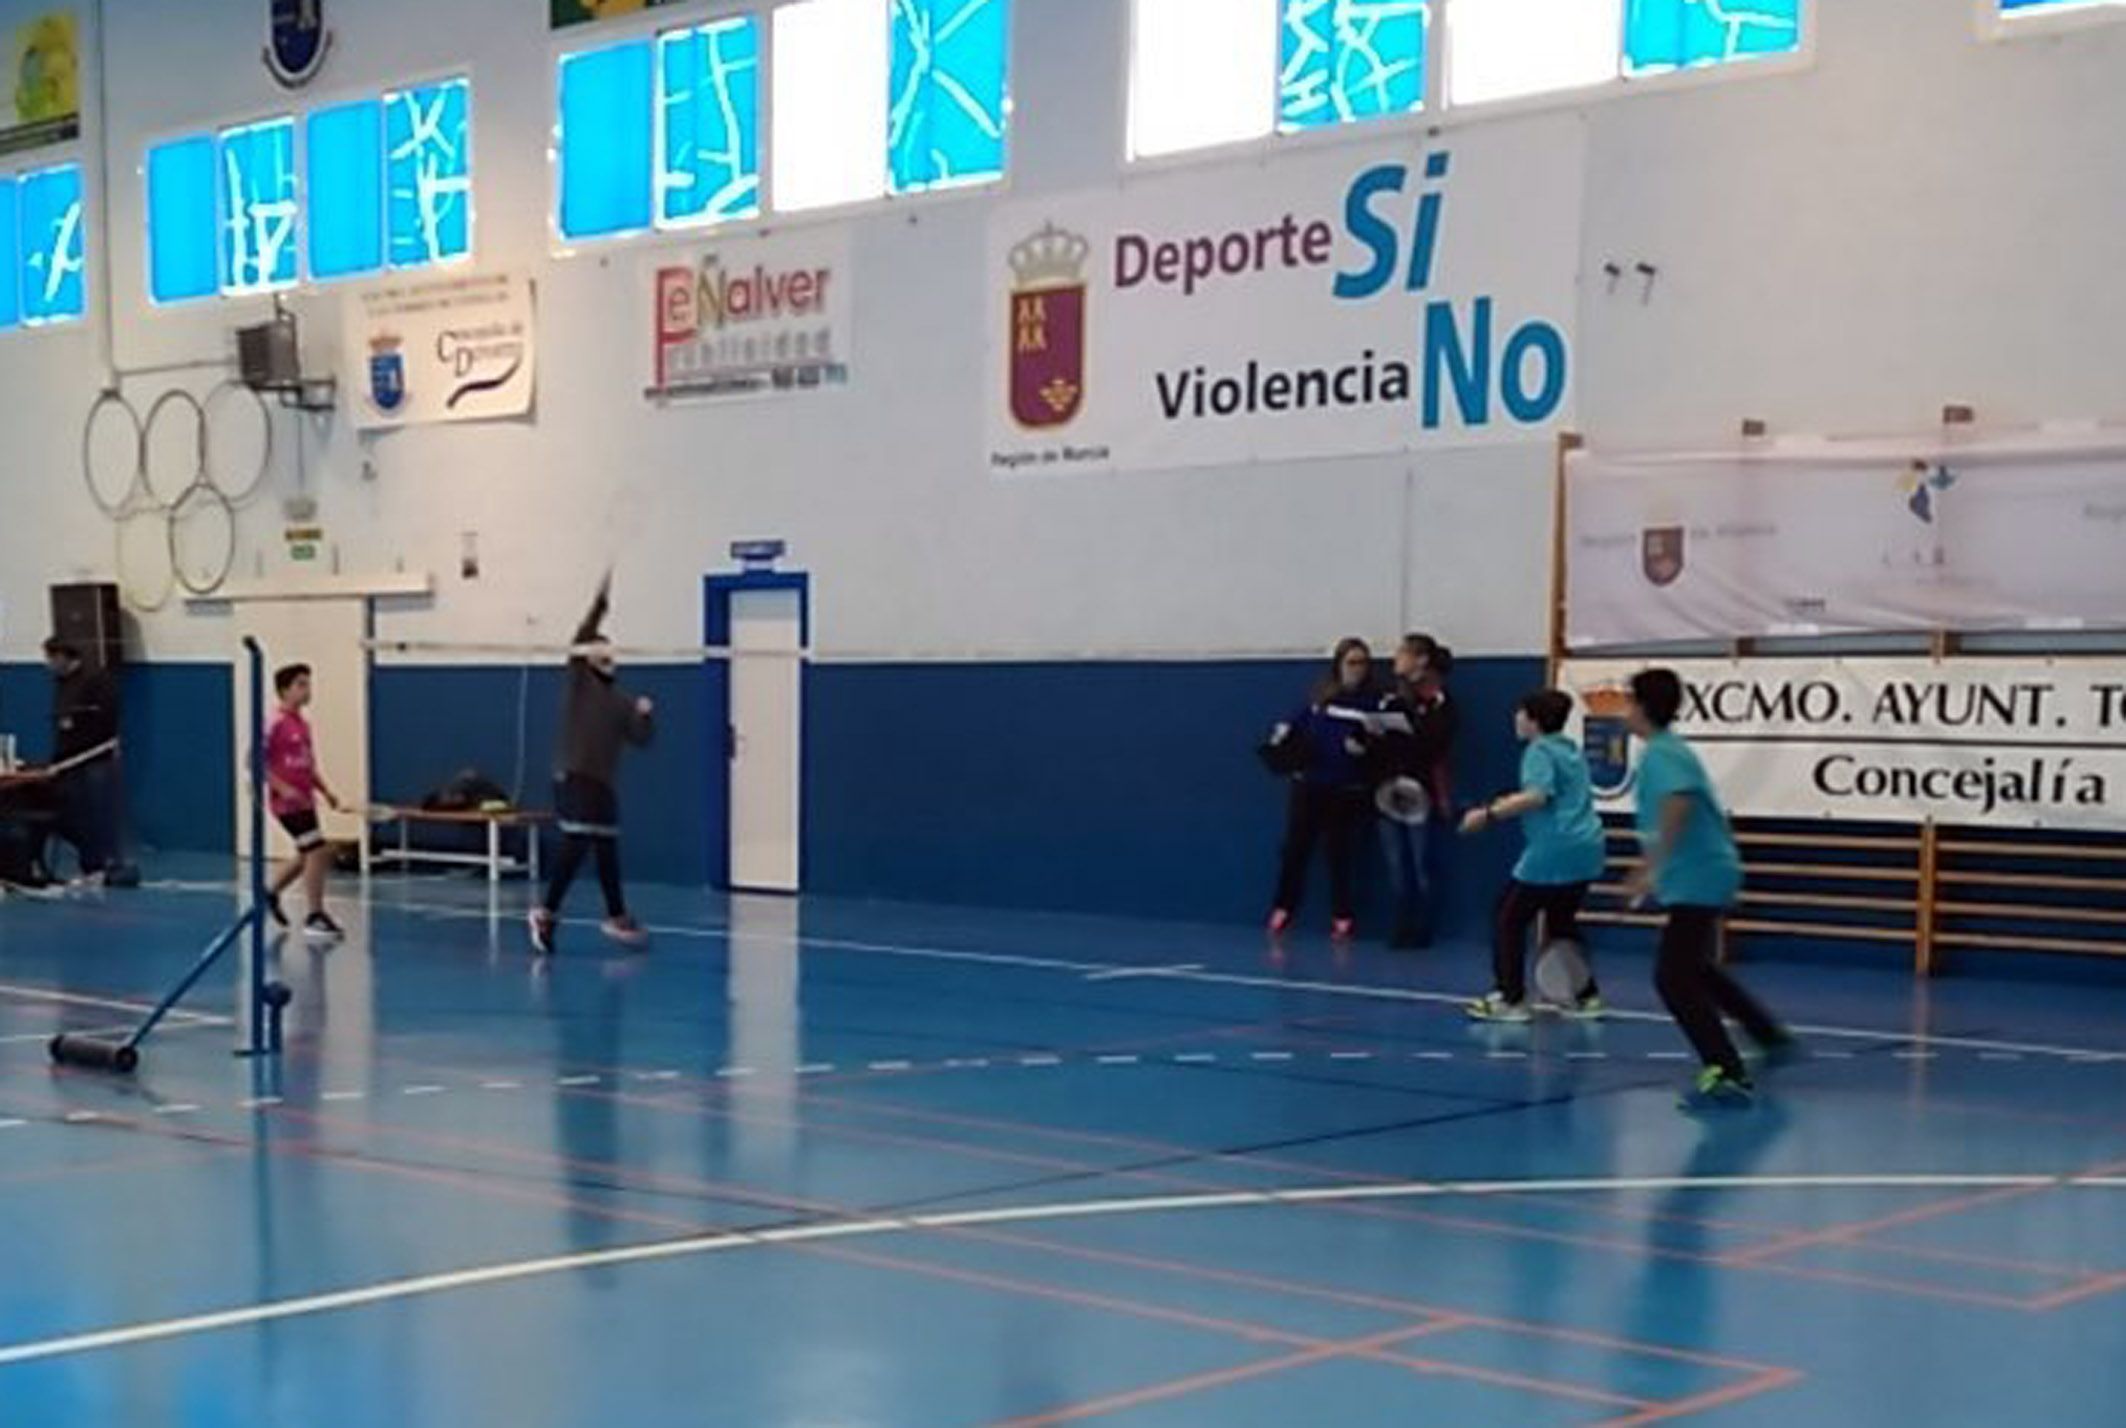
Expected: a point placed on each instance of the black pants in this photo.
(1557, 904)
(1696, 989)
(589, 817)
(86, 799)
(1336, 816)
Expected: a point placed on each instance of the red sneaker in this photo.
(1343, 929)
(1280, 919)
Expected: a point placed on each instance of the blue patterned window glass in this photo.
(708, 166)
(259, 207)
(10, 254)
(54, 247)
(607, 104)
(1343, 61)
(1664, 35)
(344, 155)
(949, 92)
(428, 173)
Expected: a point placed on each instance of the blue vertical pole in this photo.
(259, 1043)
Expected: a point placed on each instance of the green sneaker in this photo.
(1588, 1008)
(1493, 1006)
(1717, 1089)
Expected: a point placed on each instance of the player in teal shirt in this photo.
(1693, 869)
(1566, 850)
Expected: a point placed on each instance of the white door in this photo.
(327, 635)
(767, 635)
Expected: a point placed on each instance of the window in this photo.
(830, 103)
(950, 92)
(345, 149)
(53, 246)
(1201, 70)
(428, 173)
(604, 147)
(384, 182)
(10, 252)
(868, 98)
(1504, 49)
(1200, 74)
(43, 252)
(182, 230)
(1663, 35)
(708, 139)
(258, 207)
(1349, 60)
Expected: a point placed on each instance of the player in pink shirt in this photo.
(293, 786)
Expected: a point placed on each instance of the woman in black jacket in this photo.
(1326, 746)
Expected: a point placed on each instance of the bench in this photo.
(496, 861)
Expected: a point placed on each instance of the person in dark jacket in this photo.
(1330, 799)
(1424, 755)
(598, 720)
(84, 721)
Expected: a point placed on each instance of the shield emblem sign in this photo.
(1606, 741)
(1661, 554)
(387, 380)
(1047, 355)
(296, 40)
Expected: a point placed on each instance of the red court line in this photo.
(1833, 1234)
(625, 1174)
(1358, 1299)
(2076, 1294)
(1107, 1303)
(1769, 1381)
(1198, 1383)
(1055, 1293)
(1920, 1289)
(1578, 1205)
(1254, 1333)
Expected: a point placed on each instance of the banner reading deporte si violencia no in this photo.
(2008, 742)
(1339, 301)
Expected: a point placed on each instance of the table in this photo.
(495, 821)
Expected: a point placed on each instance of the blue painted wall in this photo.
(1126, 788)
(1129, 788)
(429, 723)
(180, 767)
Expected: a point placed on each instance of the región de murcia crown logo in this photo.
(1048, 328)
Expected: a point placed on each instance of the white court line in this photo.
(1231, 979)
(55, 997)
(1124, 974)
(396, 1290)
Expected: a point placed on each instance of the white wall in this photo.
(1916, 217)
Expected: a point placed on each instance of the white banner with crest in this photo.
(2021, 535)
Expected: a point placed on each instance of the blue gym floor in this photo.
(828, 1166)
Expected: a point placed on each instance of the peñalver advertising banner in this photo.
(2009, 743)
(2010, 535)
(1339, 301)
(753, 317)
